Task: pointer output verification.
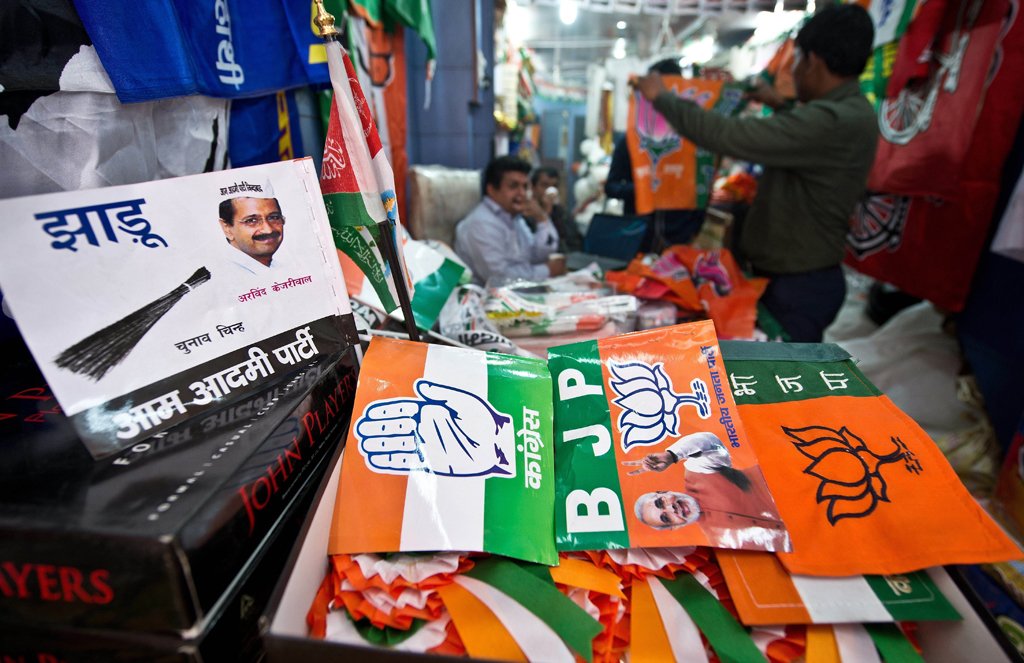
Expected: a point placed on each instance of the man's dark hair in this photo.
(227, 210)
(547, 171)
(842, 36)
(497, 168)
(667, 67)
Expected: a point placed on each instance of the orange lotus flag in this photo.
(862, 489)
(670, 172)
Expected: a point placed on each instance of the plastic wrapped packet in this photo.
(463, 319)
(559, 306)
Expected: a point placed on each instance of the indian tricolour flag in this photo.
(765, 593)
(357, 182)
(449, 449)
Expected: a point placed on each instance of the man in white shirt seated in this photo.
(494, 239)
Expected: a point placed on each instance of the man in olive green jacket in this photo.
(816, 158)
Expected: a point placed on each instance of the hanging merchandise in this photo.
(706, 282)
(218, 48)
(455, 447)
(641, 464)
(861, 487)
(929, 247)
(669, 172)
(765, 593)
(931, 110)
(379, 58)
(891, 18)
(62, 127)
(264, 130)
(413, 14)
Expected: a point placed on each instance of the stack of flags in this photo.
(437, 554)
(655, 496)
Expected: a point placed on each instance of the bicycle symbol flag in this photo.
(926, 227)
(450, 449)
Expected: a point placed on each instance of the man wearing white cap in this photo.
(254, 225)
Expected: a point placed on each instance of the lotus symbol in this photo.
(657, 137)
(649, 403)
(851, 481)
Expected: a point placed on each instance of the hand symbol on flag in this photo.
(447, 431)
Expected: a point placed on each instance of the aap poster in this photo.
(149, 303)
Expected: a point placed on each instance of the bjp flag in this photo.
(861, 487)
(670, 172)
(650, 452)
(450, 449)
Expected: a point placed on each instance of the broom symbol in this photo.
(97, 353)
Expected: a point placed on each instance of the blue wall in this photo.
(457, 130)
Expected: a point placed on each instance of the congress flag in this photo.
(357, 181)
(450, 449)
(651, 452)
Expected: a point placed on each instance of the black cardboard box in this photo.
(229, 632)
(153, 539)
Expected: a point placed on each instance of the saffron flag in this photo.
(765, 593)
(357, 181)
(450, 450)
(861, 487)
(670, 172)
(650, 450)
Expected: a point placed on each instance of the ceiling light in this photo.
(621, 25)
(567, 11)
(699, 51)
(619, 49)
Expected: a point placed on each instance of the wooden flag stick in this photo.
(390, 251)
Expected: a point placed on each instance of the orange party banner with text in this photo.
(862, 489)
(669, 171)
(650, 451)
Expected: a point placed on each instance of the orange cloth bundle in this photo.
(704, 281)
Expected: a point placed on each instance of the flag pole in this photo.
(385, 228)
(390, 249)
